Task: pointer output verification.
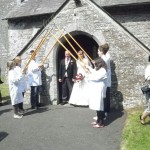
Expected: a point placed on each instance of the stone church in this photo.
(124, 25)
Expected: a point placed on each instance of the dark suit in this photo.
(67, 74)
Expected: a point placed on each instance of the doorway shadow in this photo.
(115, 95)
(45, 88)
(114, 115)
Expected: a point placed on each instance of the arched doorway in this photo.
(85, 41)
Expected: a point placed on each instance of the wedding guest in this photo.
(67, 75)
(35, 82)
(146, 112)
(104, 54)
(97, 90)
(14, 81)
(23, 81)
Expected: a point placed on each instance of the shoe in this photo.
(94, 123)
(17, 116)
(39, 105)
(64, 102)
(25, 111)
(98, 126)
(142, 120)
(36, 108)
(95, 118)
(22, 111)
(32, 107)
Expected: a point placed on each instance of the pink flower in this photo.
(79, 77)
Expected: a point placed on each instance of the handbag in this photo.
(145, 88)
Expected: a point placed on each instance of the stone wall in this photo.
(5, 7)
(129, 58)
(20, 33)
(26, 29)
(138, 25)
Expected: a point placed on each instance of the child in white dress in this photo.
(14, 81)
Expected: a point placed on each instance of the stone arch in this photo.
(87, 42)
(78, 31)
(97, 34)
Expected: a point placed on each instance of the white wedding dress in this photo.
(79, 94)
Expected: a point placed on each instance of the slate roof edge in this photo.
(13, 18)
(103, 6)
(141, 44)
(129, 4)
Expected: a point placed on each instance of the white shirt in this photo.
(97, 88)
(34, 74)
(106, 58)
(66, 65)
(23, 81)
(14, 81)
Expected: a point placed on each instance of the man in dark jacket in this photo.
(67, 75)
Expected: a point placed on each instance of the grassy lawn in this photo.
(4, 92)
(135, 135)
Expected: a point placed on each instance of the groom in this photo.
(67, 75)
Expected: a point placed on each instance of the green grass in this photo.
(135, 135)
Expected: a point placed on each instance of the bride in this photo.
(79, 92)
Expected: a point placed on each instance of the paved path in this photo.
(59, 128)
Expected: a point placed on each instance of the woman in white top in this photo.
(97, 90)
(146, 112)
(23, 81)
(79, 95)
(14, 81)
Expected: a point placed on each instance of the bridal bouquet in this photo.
(79, 77)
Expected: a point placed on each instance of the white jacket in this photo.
(97, 89)
(34, 74)
(23, 81)
(14, 81)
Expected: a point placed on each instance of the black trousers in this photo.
(66, 89)
(16, 109)
(100, 116)
(20, 105)
(107, 100)
(147, 96)
(34, 96)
